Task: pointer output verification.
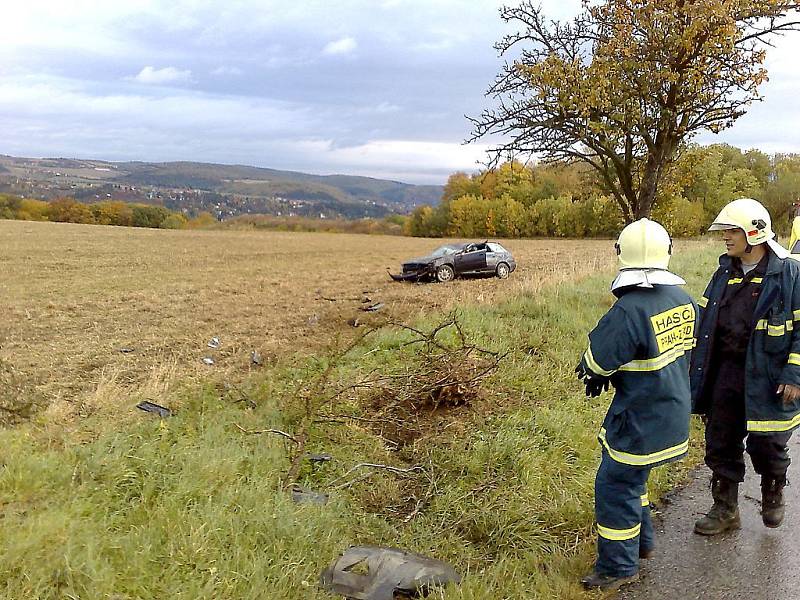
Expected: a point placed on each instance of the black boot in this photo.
(772, 507)
(724, 515)
(606, 583)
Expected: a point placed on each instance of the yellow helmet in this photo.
(644, 244)
(748, 215)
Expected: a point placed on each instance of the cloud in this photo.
(345, 45)
(377, 87)
(153, 76)
(406, 160)
(226, 70)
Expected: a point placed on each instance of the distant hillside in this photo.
(226, 190)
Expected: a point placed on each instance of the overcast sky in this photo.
(367, 87)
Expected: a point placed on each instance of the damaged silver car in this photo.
(454, 260)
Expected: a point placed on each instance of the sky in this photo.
(361, 87)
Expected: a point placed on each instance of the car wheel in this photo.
(502, 271)
(445, 273)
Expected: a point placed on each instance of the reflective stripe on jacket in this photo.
(643, 345)
(773, 352)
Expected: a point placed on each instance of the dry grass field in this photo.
(75, 296)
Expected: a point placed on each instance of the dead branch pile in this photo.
(444, 375)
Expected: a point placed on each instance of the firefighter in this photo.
(641, 347)
(745, 372)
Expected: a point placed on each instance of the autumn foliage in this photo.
(68, 210)
(568, 200)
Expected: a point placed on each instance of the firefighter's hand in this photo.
(790, 393)
(595, 384)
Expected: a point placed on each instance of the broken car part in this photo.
(154, 408)
(388, 571)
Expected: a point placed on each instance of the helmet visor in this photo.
(722, 226)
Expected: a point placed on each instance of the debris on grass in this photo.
(156, 409)
(208, 360)
(378, 573)
(319, 458)
(214, 343)
(373, 307)
(303, 496)
(355, 322)
(255, 358)
(126, 350)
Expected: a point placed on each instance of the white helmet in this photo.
(748, 215)
(644, 244)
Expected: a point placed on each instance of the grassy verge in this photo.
(193, 507)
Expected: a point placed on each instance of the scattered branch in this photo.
(260, 431)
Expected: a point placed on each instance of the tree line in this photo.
(561, 199)
(112, 212)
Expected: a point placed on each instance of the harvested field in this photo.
(95, 316)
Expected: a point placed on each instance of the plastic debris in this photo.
(154, 408)
(208, 360)
(373, 307)
(214, 343)
(303, 496)
(126, 350)
(313, 320)
(388, 571)
(319, 458)
(354, 322)
(255, 357)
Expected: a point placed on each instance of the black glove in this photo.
(595, 384)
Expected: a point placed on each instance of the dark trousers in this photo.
(726, 431)
(622, 510)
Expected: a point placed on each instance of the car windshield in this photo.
(445, 250)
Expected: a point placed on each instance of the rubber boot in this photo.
(606, 583)
(724, 514)
(772, 506)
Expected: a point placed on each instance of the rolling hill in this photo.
(225, 190)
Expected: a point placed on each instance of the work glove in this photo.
(595, 384)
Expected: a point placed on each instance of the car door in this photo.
(472, 259)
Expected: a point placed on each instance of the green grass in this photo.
(190, 507)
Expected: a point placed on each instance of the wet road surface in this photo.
(754, 562)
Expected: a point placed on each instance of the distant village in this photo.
(189, 201)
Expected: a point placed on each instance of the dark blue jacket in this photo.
(643, 345)
(773, 352)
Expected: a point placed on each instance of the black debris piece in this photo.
(154, 408)
(319, 458)
(126, 350)
(388, 571)
(255, 357)
(373, 307)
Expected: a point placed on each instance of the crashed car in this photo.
(452, 260)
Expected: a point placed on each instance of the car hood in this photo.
(421, 259)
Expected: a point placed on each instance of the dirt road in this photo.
(755, 563)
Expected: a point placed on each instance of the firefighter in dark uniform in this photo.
(745, 372)
(641, 347)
